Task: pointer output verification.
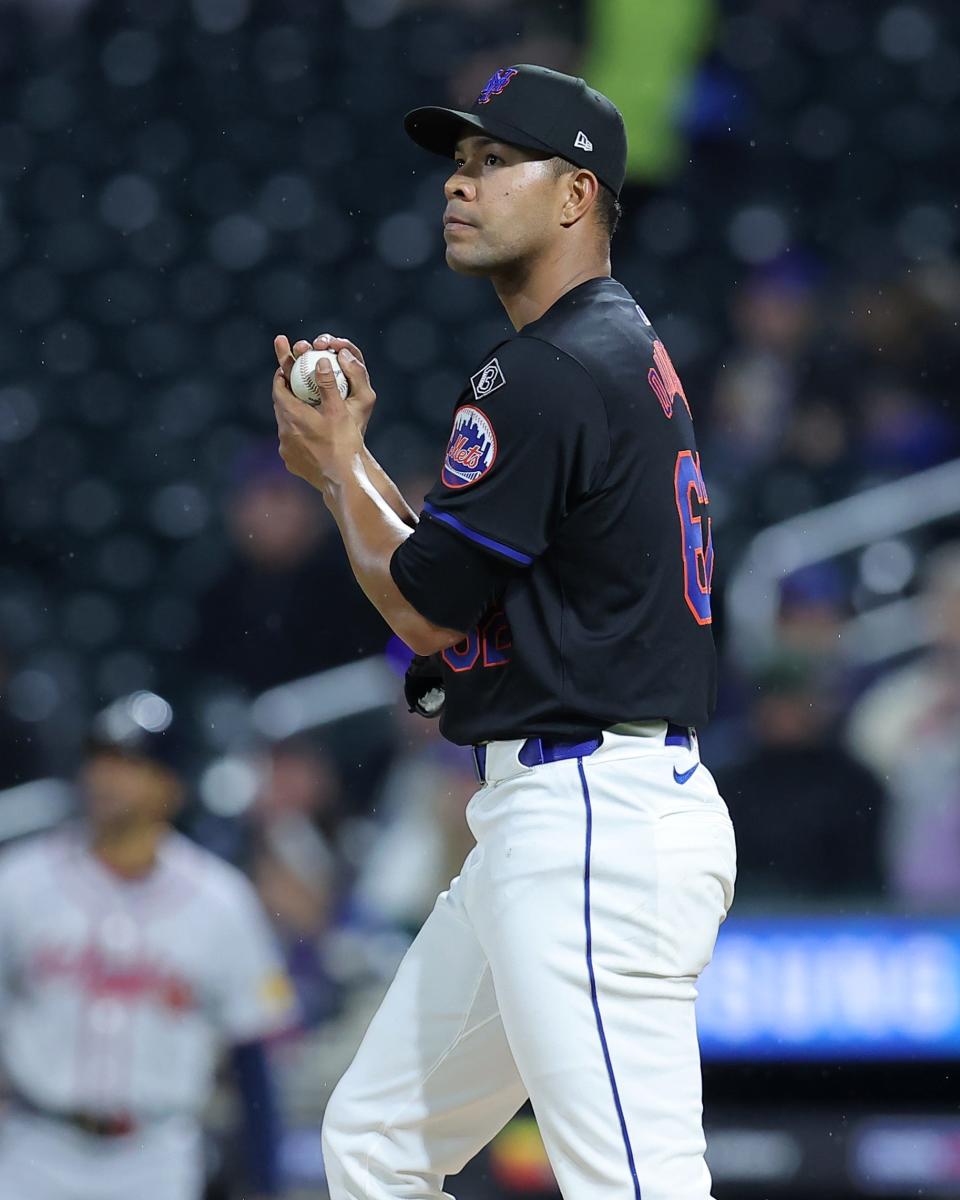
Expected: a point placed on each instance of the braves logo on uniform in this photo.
(472, 448)
(127, 982)
(496, 83)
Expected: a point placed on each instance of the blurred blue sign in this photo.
(829, 988)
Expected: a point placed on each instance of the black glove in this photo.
(423, 685)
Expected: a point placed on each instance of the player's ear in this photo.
(582, 190)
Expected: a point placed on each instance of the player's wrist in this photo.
(361, 409)
(341, 473)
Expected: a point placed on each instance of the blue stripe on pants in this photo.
(593, 982)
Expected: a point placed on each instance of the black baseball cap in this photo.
(538, 109)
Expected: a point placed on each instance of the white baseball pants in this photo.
(43, 1159)
(560, 965)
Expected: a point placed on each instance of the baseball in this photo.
(303, 378)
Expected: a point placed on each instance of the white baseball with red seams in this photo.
(116, 998)
(303, 376)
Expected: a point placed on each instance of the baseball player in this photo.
(128, 957)
(561, 572)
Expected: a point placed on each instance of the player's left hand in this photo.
(361, 397)
(318, 443)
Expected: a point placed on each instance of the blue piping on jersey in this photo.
(593, 984)
(480, 538)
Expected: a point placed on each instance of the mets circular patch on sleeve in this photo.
(472, 448)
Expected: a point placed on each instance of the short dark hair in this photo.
(609, 211)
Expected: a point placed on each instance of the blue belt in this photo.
(538, 750)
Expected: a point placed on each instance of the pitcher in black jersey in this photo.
(556, 591)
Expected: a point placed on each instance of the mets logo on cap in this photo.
(472, 448)
(495, 84)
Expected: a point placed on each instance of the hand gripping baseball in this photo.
(317, 443)
(361, 398)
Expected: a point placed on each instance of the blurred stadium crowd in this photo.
(181, 181)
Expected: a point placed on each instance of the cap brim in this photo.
(437, 129)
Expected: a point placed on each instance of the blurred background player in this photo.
(129, 958)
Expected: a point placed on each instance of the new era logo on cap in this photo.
(582, 142)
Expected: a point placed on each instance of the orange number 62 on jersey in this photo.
(695, 537)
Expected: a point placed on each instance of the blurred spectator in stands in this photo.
(20, 758)
(808, 815)
(297, 867)
(897, 321)
(774, 318)
(423, 837)
(901, 430)
(814, 603)
(811, 468)
(814, 607)
(288, 605)
(907, 728)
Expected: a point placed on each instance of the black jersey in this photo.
(569, 533)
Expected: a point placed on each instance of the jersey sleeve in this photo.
(528, 442)
(447, 578)
(254, 996)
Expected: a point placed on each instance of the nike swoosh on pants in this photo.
(682, 777)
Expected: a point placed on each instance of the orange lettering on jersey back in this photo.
(665, 381)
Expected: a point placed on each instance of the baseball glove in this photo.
(423, 685)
